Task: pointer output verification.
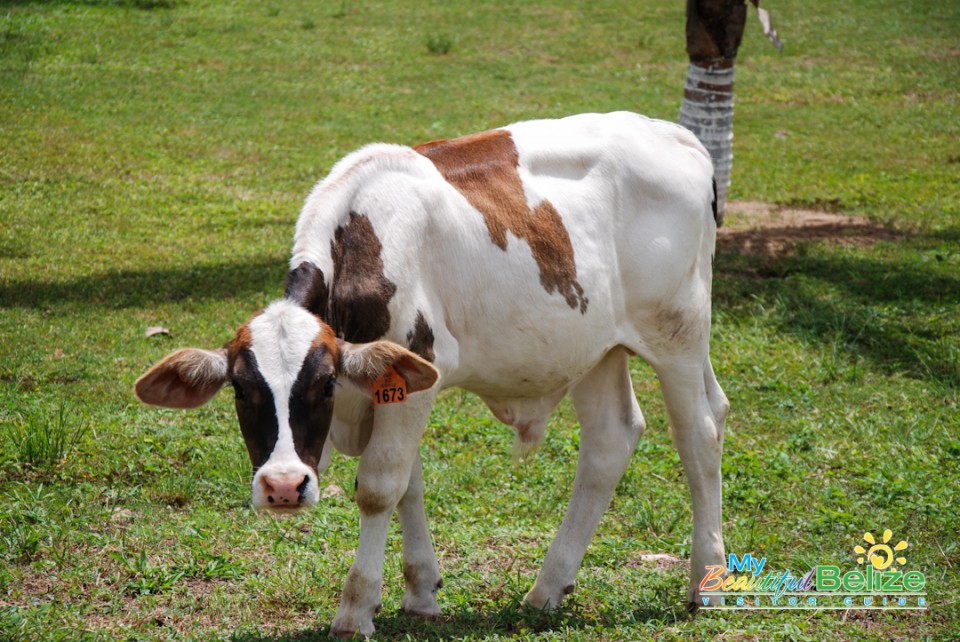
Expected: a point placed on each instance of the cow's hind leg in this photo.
(610, 427)
(421, 573)
(698, 408)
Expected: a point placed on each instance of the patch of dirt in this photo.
(35, 587)
(764, 229)
(657, 561)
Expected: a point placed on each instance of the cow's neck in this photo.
(307, 287)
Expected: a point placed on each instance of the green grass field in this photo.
(153, 158)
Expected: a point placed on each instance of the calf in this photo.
(522, 264)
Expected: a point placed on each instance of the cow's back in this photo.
(616, 216)
(525, 253)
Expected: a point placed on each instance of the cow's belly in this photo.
(523, 376)
(527, 356)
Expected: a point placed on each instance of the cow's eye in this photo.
(329, 386)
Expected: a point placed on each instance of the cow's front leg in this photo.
(360, 599)
(383, 478)
(421, 572)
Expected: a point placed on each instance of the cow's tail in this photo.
(713, 204)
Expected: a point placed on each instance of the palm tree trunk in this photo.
(714, 31)
(707, 111)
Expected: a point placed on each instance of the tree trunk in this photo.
(714, 31)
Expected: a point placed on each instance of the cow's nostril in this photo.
(302, 488)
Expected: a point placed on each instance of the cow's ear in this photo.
(364, 363)
(187, 378)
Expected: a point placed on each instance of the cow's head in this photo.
(284, 366)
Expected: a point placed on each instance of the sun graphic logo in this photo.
(881, 555)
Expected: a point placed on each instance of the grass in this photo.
(439, 44)
(39, 441)
(153, 158)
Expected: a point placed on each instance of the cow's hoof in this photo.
(424, 606)
(422, 609)
(348, 634)
(693, 601)
(418, 599)
(346, 630)
(545, 600)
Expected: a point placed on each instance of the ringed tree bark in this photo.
(714, 31)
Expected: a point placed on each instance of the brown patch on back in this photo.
(360, 291)
(483, 167)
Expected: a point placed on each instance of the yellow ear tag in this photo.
(389, 388)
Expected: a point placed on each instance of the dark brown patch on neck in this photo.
(483, 167)
(360, 291)
(420, 338)
(306, 287)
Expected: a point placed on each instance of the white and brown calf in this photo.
(522, 264)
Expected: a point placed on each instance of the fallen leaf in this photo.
(157, 329)
(661, 560)
(332, 491)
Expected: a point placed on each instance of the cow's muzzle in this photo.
(285, 491)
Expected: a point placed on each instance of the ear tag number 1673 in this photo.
(389, 388)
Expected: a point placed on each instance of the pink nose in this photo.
(284, 491)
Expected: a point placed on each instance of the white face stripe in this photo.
(280, 339)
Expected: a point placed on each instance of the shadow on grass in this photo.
(897, 313)
(135, 288)
(507, 621)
